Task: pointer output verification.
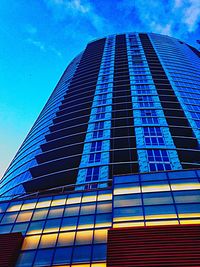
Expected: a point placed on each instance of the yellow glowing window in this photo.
(36, 227)
(155, 188)
(127, 190)
(128, 224)
(84, 237)
(190, 221)
(31, 242)
(102, 197)
(66, 239)
(80, 265)
(24, 216)
(189, 215)
(52, 225)
(28, 206)
(100, 236)
(73, 199)
(14, 207)
(58, 202)
(48, 240)
(43, 204)
(103, 264)
(149, 223)
(89, 198)
(40, 214)
(185, 186)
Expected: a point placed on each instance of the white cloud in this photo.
(36, 43)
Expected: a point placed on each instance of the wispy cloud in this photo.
(36, 43)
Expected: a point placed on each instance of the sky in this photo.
(38, 38)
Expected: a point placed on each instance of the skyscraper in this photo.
(116, 145)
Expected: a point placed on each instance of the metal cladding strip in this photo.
(179, 125)
(123, 144)
(162, 246)
(95, 158)
(149, 119)
(60, 164)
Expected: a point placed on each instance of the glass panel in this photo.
(104, 207)
(44, 202)
(15, 206)
(69, 223)
(24, 216)
(155, 186)
(52, 225)
(82, 254)
(128, 200)
(86, 222)
(74, 198)
(103, 220)
(72, 210)
(40, 214)
(160, 212)
(30, 242)
(29, 204)
(89, 197)
(66, 239)
(186, 184)
(26, 259)
(127, 189)
(88, 208)
(187, 196)
(128, 214)
(44, 257)
(20, 227)
(100, 236)
(105, 195)
(188, 210)
(157, 198)
(99, 252)
(4, 229)
(55, 212)
(48, 240)
(62, 255)
(58, 200)
(84, 237)
(36, 227)
(9, 217)
(3, 207)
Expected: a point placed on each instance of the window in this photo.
(153, 136)
(99, 125)
(100, 116)
(148, 116)
(95, 157)
(158, 160)
(92, 174)
(96, 146)
(98, 134)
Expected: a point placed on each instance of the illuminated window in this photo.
(66, 239)
(157, 198)
(128, 200)
(48, 240)
(69, 223)
(40, 214)
(58, 200)
(87, 209)
(103, 220)
(72, 210)
(86, 222)
(24, 216)
(74, 198)
(36, 227)
(84, 237)
(14, 206)
(43, 203)
(100, 236)
(31, 242)
(52, 225)
(9, 217)
(104, 207)
(29, 204)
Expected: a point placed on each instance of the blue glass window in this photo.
(95, 157)
(62, 255)
(92, 174)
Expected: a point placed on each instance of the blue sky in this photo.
(38, 38)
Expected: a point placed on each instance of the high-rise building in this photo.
(109, 175)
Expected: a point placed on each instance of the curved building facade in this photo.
(109, 173)
(128, 103)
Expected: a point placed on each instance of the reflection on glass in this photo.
(52, 225)
(99, 252)
(157, 198)
(31, 242)
(128, 200)
(40, 214)
(24, 216)
(20, 227)
(9, 217)
(127, 189)
(128, 214)
(43, 203)
(36, 227)
(86, 222)
(29, 204)
(160, 212)
(100, 236)
(104, 207)
(48, 240)
(72, 210)
(15, 206)
(55, 212)
(44, 257)
(82, 254)
(155, 186)
(26, 259)
(87, 209)
(84, 237)
(69, 224)
(66, 239)
(63, 256)
(58, 201)
(74, 198)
